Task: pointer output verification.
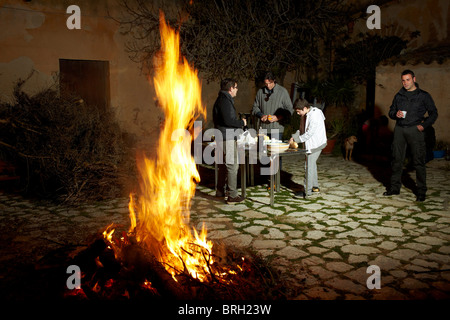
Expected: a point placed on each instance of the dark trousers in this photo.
(228, 168)
(415, 139)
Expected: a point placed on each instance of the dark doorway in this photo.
(86, 78)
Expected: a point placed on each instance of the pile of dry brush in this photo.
(64, 149)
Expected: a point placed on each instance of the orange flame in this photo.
(168, 182)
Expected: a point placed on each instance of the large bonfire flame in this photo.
(168, 182)
(160, 216)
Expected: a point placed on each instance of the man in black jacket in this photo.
(408, 109)
(227, 122)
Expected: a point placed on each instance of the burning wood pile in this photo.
(120, 269)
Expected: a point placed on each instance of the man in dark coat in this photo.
(226, 121)
(408, 109)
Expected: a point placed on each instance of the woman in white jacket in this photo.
(315, 139)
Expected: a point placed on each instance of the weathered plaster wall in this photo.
(401, 18)
(34, 36)
(431, 78)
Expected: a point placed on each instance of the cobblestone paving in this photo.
(324, 244)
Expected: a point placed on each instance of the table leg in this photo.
(278, 174)
(247, 169)
(216, 174)
(252, 174)
(243, 180)
(271, 191)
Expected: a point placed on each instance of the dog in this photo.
(348, 143)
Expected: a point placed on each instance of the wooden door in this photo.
(88, 79)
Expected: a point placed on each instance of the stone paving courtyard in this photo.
(323, 244)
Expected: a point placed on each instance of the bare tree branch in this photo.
(238, 38)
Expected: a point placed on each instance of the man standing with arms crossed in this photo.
(408, 110)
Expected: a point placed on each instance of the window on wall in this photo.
(88, 79)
